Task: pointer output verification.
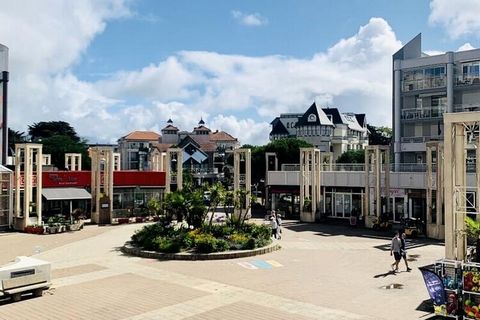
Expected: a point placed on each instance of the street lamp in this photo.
(4, 80)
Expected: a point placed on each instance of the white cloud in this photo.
(235, 93)
(459, 17)
(434, 52)
(249, 19)
(465, 47)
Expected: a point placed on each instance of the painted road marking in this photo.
(260, 264)
(247, 265)
(275, 263)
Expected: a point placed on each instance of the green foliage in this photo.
(154, 206)
(205, 243)
(472, 229)
(217, 238)
(41, 130)
(379, 135)
(15, 137)
(166, 245)
(352, 156)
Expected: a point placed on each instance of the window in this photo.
(312, 118)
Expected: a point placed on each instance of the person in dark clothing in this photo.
(403, 251)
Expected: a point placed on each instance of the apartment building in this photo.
(424, 88)
(327, 129)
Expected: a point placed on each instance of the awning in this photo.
(66, 194)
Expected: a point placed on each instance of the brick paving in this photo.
(322, 272)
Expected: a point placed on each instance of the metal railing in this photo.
(466, 107)
(420, 139)
(467, 80)
(416, 114)
(427, 83)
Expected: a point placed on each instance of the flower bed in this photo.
(216, 238)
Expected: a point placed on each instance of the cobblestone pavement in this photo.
(321, 272)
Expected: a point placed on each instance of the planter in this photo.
(123, 220)
(139, 219)
(52, 229)
(75, 226)
(156, 218)
(62, 228)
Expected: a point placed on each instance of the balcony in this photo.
(420, 139)
(422, 84)
(466, 107)
(422, 114)
(467, 80)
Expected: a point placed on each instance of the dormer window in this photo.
(312, 118)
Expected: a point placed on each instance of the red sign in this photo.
(52, 179)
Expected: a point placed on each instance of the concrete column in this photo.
(460, 181)
(378, 168)
(429, 183)
(440, 186)
(450, 82)
(397, 91)
(449, 203)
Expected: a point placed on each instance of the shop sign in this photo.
(434, 286)
(397, 193)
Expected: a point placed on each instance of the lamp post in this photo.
(4, 80)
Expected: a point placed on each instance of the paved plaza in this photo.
(321, 272)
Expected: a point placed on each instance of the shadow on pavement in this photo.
(386, 274)
(332, 230)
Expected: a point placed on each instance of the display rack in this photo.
(450, 271)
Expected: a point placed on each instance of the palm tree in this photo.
(217, 195)
(175, 205)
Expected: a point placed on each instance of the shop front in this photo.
(342, 202)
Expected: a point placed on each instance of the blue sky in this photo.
(113, 66)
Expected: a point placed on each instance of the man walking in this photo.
(396, 251)
(404, 251)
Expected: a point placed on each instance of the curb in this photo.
(129, 249)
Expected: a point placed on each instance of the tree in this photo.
(58, 145)
(352, 156)
(41, 130)
(379, 135)
(217, 194)
(58, 138)
(15, 137)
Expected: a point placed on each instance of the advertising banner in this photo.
(434, 286)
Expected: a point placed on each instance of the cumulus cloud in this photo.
(249, 19)
(458, 17)
(235, 93)
(465, 47)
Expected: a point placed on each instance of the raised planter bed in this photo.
(34, 229)
(129, 249)
(123, 220)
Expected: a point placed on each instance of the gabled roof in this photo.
(201, 128)
(221, 136)
(360, 118)
(278, 128)
(335, 115)
(352, 122)
(162, 147)
(199, 142)
(170, 127)
(314, 116)
(142, 136)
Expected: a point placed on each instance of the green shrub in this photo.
(249, 244)
(259, 243)
(261, 231)
(238, 240)
(205, 243)
(167, 245)
(220, 230)
(145, 237)
(222, 245)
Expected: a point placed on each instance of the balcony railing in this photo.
(466, 107)
(418, 114)
(419, 139)
(421, 84)
(467, 80)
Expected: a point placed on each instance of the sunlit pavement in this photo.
(321, 272)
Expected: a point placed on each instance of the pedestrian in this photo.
(274, 225)
(396, 251)
(279, 226)
(404, 251)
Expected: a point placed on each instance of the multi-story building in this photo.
(425, 87)
(327, 129)
(134, 149)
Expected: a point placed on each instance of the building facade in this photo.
(327, 129)
(134, 149)
(424, 88)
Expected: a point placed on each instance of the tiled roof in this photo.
(170, 127)
(221, 136)
(142, 135)
(162, 147)
(201, 128)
